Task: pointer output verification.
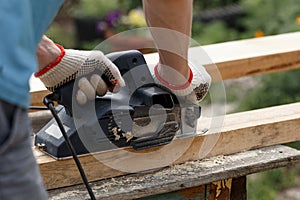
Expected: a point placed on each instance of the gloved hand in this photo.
(75, 63)
(194, 90)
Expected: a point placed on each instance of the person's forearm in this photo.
(172, 45)
(47, 52)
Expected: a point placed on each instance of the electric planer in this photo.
(141, 115)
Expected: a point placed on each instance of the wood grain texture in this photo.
(239, 188)
(186, 175)
(238, 133)
(255, 56)
(231, 60)
(217, 190)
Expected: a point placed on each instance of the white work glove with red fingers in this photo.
(75, 63)
(195, 88)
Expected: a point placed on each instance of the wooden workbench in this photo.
(210, 178)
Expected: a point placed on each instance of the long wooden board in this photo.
(255, 56)
(239, 132)
(231, 59)
(246, 57)
(187, 175)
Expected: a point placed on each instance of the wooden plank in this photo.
(239, 132)
(194, 193)
(217, 190)
(37, 97)
(233, 59)
(239, 188)
(220, 190)
(37, 91)
(255, 56)
(247, 57)
(182, 176)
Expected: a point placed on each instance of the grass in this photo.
(266, 185)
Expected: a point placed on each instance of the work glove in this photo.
(73, 64)
(194, 90)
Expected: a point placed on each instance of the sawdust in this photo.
(186, 175)
(139, 180)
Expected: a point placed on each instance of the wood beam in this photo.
(187, 175)
(231, 60)
(255, 56)
(239, 132)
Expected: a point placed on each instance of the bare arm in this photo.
(175, 15)
(46, 52)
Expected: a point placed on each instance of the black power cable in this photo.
(38, 108)
(48, 101)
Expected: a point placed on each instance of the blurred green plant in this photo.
(115, 12)
(95, 20)
(270, 17)
(260, 18)
(203, 5)
(61, 36)
(266, 185)
(271, 90)
(213, 32)
(99, 8)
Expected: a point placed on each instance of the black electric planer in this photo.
(141, 115)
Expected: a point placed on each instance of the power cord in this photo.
(38, 108)
(48, 101)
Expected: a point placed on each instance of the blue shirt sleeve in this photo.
(22, 24)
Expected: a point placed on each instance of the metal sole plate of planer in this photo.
(142, 115)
